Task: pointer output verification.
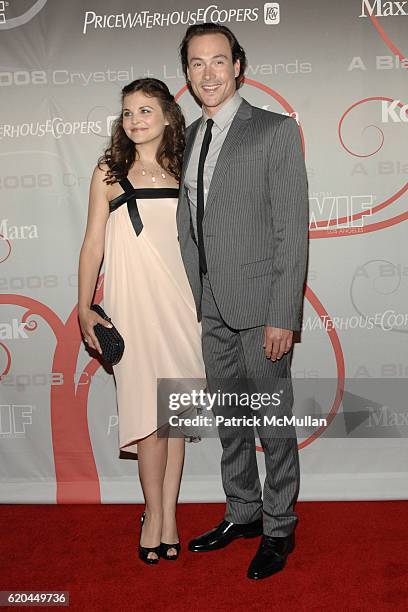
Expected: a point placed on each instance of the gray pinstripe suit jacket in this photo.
(255, 223)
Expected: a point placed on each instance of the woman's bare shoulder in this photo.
(98, 181)
(100, 172)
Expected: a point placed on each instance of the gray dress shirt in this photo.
(222, 122)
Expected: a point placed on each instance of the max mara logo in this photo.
(383, 9)
(17, 232)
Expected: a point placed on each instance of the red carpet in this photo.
(349, 556)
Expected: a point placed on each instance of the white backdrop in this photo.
(340, 70)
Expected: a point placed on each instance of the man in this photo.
(242, 222)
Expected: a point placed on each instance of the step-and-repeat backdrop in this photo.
(339, 69)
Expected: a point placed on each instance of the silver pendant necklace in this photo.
(152, 174)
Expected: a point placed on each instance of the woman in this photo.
(132, 223)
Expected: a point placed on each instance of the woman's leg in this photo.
(171, 487)
(152, 460)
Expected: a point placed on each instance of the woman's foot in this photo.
(170, 548)
(169, 551)
(149, 543)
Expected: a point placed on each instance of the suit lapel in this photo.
(182, 202)
(236, 132)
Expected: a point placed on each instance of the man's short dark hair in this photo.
(214, 28)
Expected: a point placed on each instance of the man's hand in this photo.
(277, 342)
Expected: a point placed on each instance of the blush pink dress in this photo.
(149, 299)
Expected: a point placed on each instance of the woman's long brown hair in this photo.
(122, 152)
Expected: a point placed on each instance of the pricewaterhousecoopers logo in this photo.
(150, 19)
(378, 8)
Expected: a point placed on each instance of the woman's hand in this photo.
(87, 320)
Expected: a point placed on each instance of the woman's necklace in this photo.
(152, 174)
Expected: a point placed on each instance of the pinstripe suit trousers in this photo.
(237, 355)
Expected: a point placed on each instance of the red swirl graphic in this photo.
(373, 98)
(76, 475)
(8, 364)
(5, 240)
(388, 41)
(29, 325)
(373, 227)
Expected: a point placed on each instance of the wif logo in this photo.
(272, 13)
(14, 419)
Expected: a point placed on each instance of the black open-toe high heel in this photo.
(164, 549)
(144, 550)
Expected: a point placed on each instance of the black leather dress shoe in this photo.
(223, 534)
(271, 556)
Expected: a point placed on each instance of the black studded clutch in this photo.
(112, 343)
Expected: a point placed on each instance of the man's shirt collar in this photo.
(225, 114)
